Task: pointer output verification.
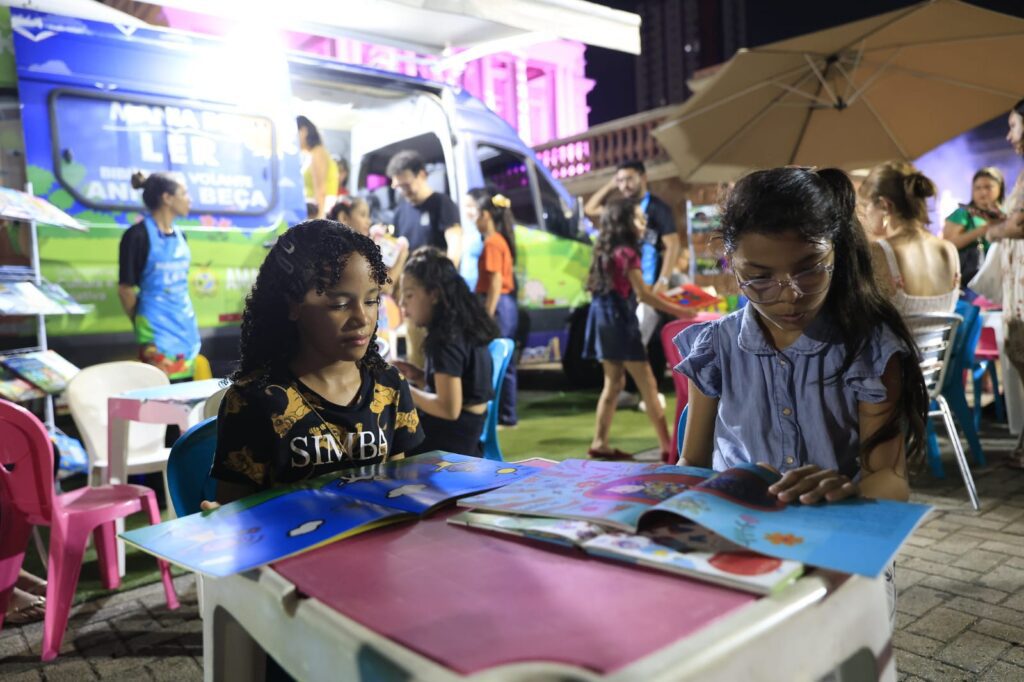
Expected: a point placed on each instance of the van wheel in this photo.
(581, 372)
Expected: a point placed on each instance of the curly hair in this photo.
(617, 229)
(458, 312)
(311, 255)
(821, 206)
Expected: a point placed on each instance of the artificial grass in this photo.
(553, 424)
(560, 426)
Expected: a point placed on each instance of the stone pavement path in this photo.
(960, 609)
(127, 636)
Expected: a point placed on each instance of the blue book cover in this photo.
(857, 535)
(279, 523)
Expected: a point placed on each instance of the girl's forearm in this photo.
(432, 404)
(493, 294)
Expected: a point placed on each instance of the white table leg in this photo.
(117, 471)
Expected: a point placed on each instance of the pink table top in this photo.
(471, 600)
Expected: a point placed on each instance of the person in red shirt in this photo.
(496, 282)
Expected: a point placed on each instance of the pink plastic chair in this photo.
(27, 499)
(673, 358)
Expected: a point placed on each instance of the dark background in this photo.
(714, 30)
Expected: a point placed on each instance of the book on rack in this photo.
(675, 546)
(856, 535)
(278, 523)
(16, 389)
(44, 369)
(59, 296)
(25, 298)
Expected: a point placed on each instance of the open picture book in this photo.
(282, 522)
(857, 535)
(676, 546)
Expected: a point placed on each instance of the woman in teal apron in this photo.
(153, 281)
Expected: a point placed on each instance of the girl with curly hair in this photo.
(613, 332)
(452, 389)
(312, 394)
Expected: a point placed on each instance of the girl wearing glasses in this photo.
(818, 376)
(919, 272)
(613, 332)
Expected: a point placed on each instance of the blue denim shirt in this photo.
(787, 408)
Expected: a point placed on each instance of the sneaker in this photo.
(627, 400)
(643, 408)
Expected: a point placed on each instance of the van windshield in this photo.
(362, 127)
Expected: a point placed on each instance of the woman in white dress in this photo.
(919, 271)
(1010, 231)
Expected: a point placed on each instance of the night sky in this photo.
(767, 21)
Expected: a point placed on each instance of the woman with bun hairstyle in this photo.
(917, 271)
(153, 279)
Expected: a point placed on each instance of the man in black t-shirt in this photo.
(425, 218)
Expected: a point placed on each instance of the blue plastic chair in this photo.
(961, 359)
(680, 432)
(501, 354)
(188, 468)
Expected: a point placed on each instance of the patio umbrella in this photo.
(888, 87)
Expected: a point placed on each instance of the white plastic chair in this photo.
(934, 334)
(212, 404)
(87, 395)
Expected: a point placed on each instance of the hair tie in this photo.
(501, 201)
(281, 259)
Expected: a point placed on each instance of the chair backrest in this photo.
(935, 335)
(87, 395)
(681, 431)
(26, 463)
(965, 342)
(501, 354)
(188, 467)
(672, 355)
(212, 405)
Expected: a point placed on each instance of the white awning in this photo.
(437, 26)
(81, 9)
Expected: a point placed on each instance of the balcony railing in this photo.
(606, 146)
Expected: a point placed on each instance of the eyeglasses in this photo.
(806, 283)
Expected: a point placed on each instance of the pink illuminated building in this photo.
(540, 89)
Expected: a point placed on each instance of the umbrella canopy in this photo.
(891, 86)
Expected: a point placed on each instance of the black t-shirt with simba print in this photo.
(276, 430)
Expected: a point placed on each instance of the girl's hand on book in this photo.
(207, 505)
(810, 484)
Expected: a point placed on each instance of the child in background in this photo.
(818, 376)
(613, 332)
(452, 390)
(311, 394)
(496, 282)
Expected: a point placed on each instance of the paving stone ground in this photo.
(960, 610)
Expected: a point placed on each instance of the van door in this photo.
(100, 101)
